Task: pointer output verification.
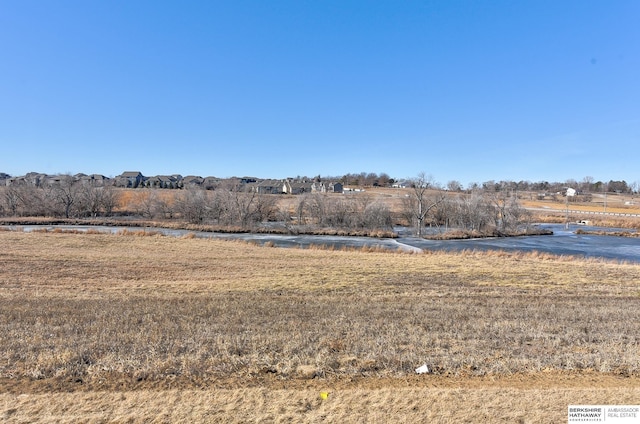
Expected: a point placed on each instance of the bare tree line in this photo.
(484, 211)
(234, 205)
(360, 212)
(65, 197)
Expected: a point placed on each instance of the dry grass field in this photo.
(124, 328)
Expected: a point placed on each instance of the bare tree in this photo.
(219, 206)
(445, 213)
(476, 212)
(91, 199)
(242, 205)
(33, 201)
(65, 192)
(422, 201)
(586, 184)
(507, 213)
(316, 207)
(110, 199)
(265, 207)
(165, 208)
(301, 208)
(339, 213)
(237, 204)
(384, 179)
(13, 198)
(454, 185)
(193, 205)
(376, 216)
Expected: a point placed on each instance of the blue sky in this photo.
(462, 90)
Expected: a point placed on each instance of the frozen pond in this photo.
(563, 242)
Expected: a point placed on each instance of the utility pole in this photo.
(566, 215)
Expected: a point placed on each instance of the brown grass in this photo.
(391, 404)
(609, 233)
(248, 333)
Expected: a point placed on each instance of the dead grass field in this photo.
(123, 328)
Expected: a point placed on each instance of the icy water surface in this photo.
(563, 242)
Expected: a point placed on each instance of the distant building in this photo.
(95, 180)
(294, 187)
(323, 187)
(401, 184)
(4, 179)
(161, 181)
(192, 181)
(211, 183)
(130, 179)
(268, 187)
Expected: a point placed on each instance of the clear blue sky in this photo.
(464, 90)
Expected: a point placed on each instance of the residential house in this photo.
(129, 179)
(401, 184)
(161, 181)
(295, 187)
(268, 187)
(15, 181)
(192, 181)
(4, 178)
(210, 183)
(336, 187)
(95, 180)
(322, 187)
(35, 179)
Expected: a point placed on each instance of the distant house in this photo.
(192, 181)
(401, 184)
(95, 180)
(211, 183)
(35, 179)
(322, 187)
(53, 180)
(246, 180)
(4, 178)
(268, 187)
(130, 179)
(15, 181)
(335, 188)
(161, 181)
(152, 182)
(294, 187)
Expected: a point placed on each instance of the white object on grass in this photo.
(422, 370)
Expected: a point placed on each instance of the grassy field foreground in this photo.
(122, 328)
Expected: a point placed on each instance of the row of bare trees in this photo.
(65, 197)
(481, 210)
(359, 212)
(224, 206)
(235, 205)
